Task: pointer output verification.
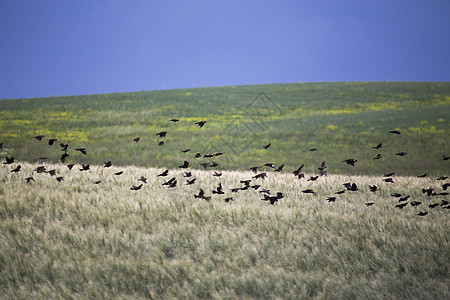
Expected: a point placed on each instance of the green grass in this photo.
(75, 239)
(342, 120)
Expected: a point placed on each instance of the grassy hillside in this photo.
(77, 239)
(341, 120)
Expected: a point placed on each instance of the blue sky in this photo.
(53, 47)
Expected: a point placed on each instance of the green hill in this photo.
(341, 120)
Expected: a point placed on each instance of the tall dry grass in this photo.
(77, 239)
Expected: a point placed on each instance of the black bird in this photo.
(422, 213)
(136, 139)
(83, 167)
(265, 191)
(208, 155)
(197, 155)
(201, 195)
(107, 164)
(82, 150)
(350, 186)
(51, 141)
(415, 203)
(39, 137)
(63, 157)
(313, 149)
(213, 164)
(165, 173)
(373, 188)
(445, 186)
(423, 175)
(9, 160)
(444, 157)
(52, 172)
(428, 191)
(184, 151)
(118, 173)
(267, 146)
(189, 182)
(201, 123)
(254, 169)
(442, 178)
(331, 199)
(228, 199)
(350, 161)
(187, 174)
(379, 146)
(218, 190)
(185, 165)
(246, 182)
(162, 134)
(404, 198)
(389, 180)
(161, 143)
(64, 146)
(60, 178)
(70, 166)
(262, 175)
(369, 203)
(297, 172)
(308, 191)
(340, 192)
(322, 168)
(396, 195)
(270, 165)
(400, 206)
(395, 132)
(136, 188)
(170, 181)
(401, 153)
(217, 174)
(256, 186)
(433, 205)
(174, 120)
(173, 184)
(280, 168)
(379, 156)
(313, 178)
(388, 174)
(16, 169)
(28, 179)
(143, 179)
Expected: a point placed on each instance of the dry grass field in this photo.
(78, 239)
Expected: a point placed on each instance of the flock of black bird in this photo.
(249, 183)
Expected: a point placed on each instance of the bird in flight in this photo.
(107, 164)
(143, 179)
(82, 150)
(185, 165)
(379, 146)
(395, 132)
(162, 134)
(401, 153)
(136, 188)
(9, 160)
(350, 161)
(16, 169)
(136, 139)
(165, 173)
(201, 123)
(39, 137)
(174, 120)
(267, 146)
(51, 141)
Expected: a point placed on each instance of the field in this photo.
(341, 120)
(104, 233)
(77, 239)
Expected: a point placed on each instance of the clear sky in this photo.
(54, 47)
